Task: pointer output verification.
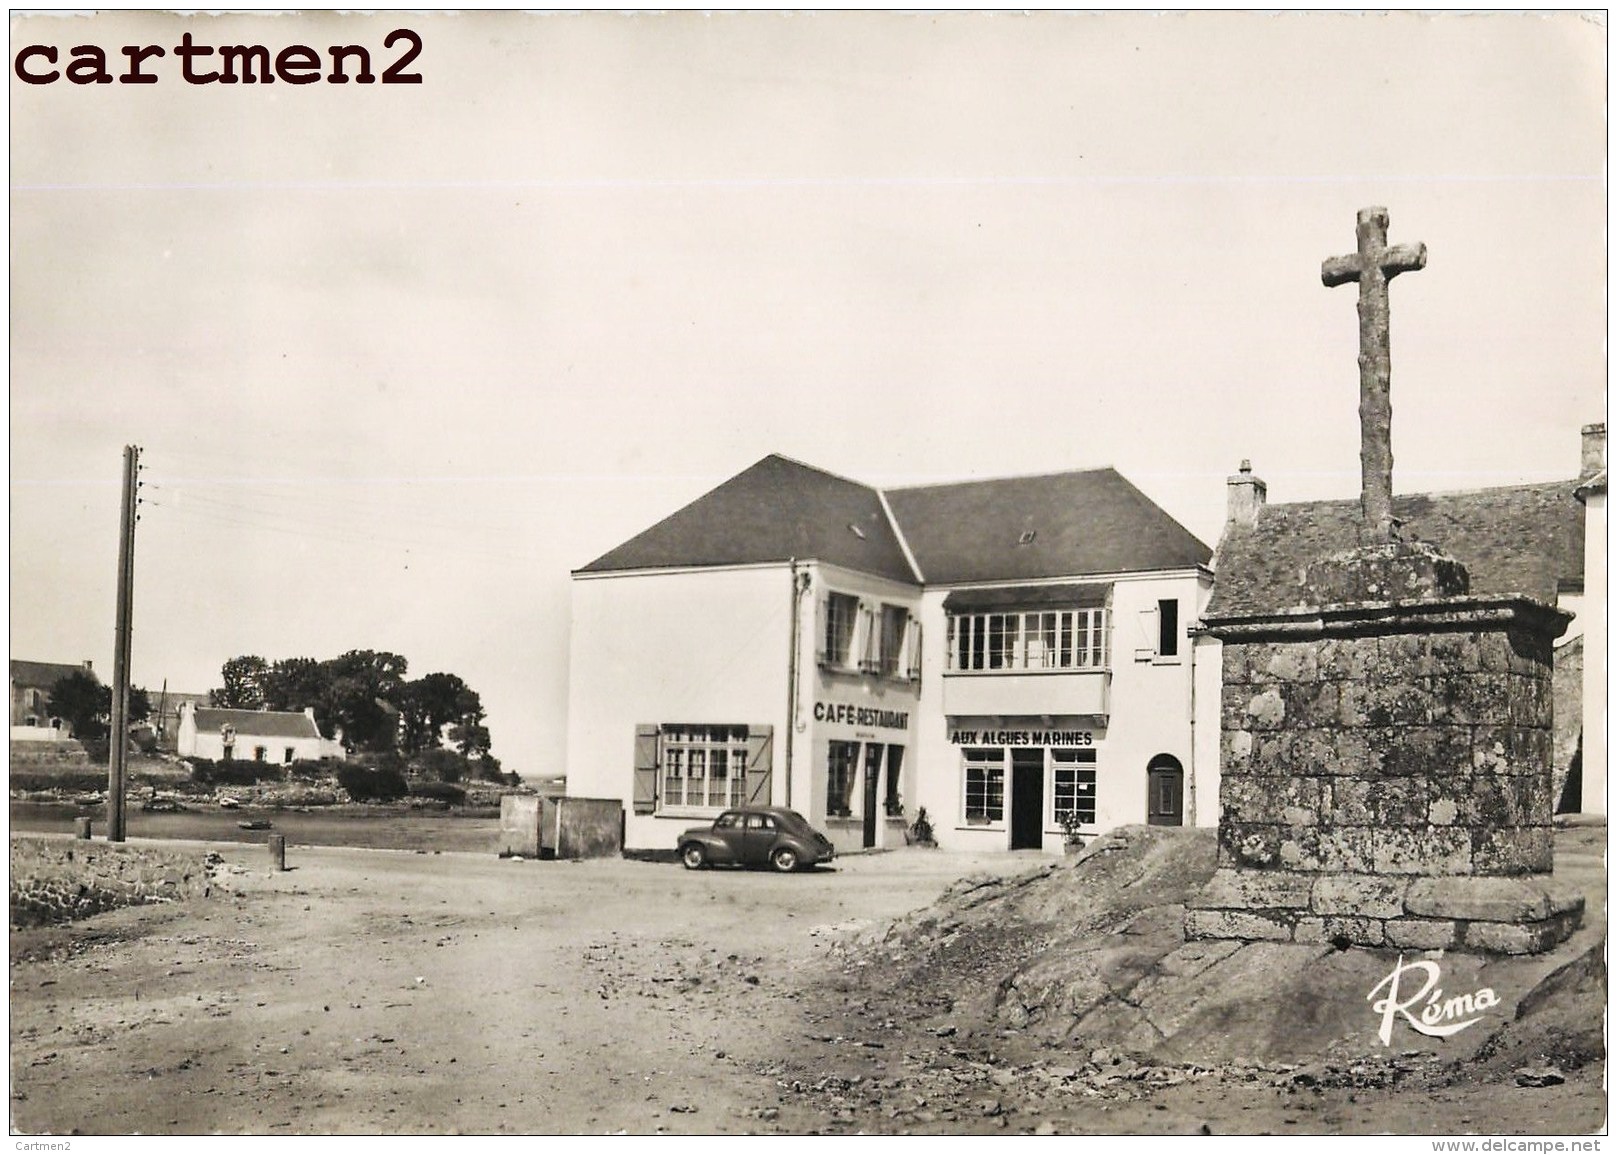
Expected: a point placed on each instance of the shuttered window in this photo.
(702, 766)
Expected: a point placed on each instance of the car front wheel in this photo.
(784, 859)
(694, 856)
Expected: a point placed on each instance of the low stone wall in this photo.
(1520, 915)
(56, 879)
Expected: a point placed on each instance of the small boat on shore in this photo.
(255, 824)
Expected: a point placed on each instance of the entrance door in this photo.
(872, 791)
(1165, 800)
(1027, 799)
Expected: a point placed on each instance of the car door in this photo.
(728, 838)
(760, 836)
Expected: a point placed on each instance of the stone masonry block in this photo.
(1358, 894)
(1309, 930)
(1235, 751)
(1254, 890)
(1329, 751)
(1480, 899)
(1512, 938)
(1456, 652)
(1346, 849)
(1347, 659)
(1357, 931)
(1293, 801)
(1299, 848)
(1383, 802)
(1236, 924)
(1310, 703)
(1406, 702)
(1249, 845)
(1420, 933)
(1422, 850)
(1298, 662)
(1265, 709)
(1526, 850)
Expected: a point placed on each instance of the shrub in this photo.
(97, 750)
(440, 791)
(71, 781)
(233, 772)
(368, 783)
(442, 765)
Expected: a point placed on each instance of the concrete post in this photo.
(81, 828)
(277, 851)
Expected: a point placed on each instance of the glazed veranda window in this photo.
(1032, 640)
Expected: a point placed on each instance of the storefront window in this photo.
(985, 786)
(893, 804)
(841, 769)
(1073, 789)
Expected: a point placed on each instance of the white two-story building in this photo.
(1002, 653)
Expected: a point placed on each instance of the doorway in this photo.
(1027, 799)
(1165, 791)
(873, 753)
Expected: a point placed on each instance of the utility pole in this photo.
(118, 740)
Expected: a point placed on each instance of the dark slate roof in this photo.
(258, 723)
(1525, 539)
(1087, 522)
(44, 675)
(774, 511)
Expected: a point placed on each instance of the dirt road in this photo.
(391, 992)
(396, 992)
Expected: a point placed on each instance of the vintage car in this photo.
(756, 836)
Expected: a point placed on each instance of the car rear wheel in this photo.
(784, 859)
(693, 855)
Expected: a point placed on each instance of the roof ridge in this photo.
(815, 469)
(1004, 477)
(1573, 481)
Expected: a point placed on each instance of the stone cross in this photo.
(1373, 266)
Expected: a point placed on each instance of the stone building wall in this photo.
(1386, 781)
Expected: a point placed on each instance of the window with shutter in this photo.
(645, 767)
(760, 775)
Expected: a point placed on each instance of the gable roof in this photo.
(774, 511)
(258, 723)
(1090, 521)
(44, 675)
(1083, 522)
(1525, 539)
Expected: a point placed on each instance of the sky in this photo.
(401, 357)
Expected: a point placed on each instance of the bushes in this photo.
(440, 792)
(71, 781)
(366, 783)
(233, 772)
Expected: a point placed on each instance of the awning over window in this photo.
(1079, 595)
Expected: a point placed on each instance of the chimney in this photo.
(1594, 450)
(89, 665)
(1247, 495)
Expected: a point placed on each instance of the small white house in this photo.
(1001, 653)
(276, 736)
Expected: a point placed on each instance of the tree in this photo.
(471, 739)
(140, 704)
(431, 703)
(365, 689)
(297, 684)
(84, 703)
(244, 683)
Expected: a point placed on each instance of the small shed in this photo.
(555, 826)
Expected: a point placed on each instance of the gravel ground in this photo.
(390, 992)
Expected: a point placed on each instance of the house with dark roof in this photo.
(1543, 540)
(279, 736)
(31, 683)
(1010, 655)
